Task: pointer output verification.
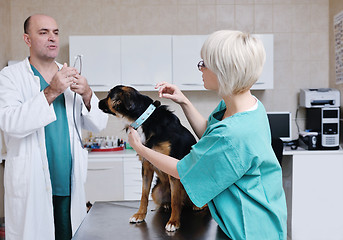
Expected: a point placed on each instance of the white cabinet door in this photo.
(146, 60)
(186, 55)
(313, 184)
(317, 196)
(132, 178)
(104, 181)
(267, 76)
(143, 61)
(100, 59)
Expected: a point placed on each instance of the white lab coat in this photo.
(24, 111)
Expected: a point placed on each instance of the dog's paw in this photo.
(137, 218)
(172, 226)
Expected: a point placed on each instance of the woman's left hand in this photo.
(134, 139)
(163, 162)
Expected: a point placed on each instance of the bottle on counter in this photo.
(109, 143)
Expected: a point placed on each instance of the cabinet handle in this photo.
(99, 169)
(192, 84)
(257, 83)
(142, 84)
(97, 85)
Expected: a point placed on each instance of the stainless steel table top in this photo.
(110, 220)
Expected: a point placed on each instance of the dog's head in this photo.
(126, 102)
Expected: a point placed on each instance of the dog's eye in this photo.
(115, 102)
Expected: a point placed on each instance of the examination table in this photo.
(110, 220)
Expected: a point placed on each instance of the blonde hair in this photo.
(236, 58)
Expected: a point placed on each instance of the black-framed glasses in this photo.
(201, 65)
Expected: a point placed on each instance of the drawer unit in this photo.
(114, 176)
(104, 181)
(132, 169)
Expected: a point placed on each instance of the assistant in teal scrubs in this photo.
(233, 171)
(232, 167)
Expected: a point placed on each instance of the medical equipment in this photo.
(77, 64)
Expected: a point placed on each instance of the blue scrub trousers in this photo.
(62, 217)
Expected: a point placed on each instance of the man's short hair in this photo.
(26, 25)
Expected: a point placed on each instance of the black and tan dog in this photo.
(163, 132)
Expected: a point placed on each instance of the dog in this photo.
(162, 131)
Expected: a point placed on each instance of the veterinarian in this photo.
(232, 168)
(46, 165)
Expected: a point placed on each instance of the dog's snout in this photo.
(102, 105)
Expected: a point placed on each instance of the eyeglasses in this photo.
(201, 65)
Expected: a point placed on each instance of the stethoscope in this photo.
(77, 60)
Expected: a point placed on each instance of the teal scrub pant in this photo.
(62, 217)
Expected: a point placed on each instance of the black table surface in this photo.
(110, 220)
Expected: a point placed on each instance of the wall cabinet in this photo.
(100, 59)
(266, 80)
(142, 61)
(186, 55)
(145, 61)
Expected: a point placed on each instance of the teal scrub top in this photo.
(57, 142)
(234, 170)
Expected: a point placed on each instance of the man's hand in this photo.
(80, 86)
(59, 83)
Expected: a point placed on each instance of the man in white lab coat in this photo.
(45, 160)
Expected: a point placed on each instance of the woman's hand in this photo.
(134, 139)
(170, 91)
(163, 162)
(197, 121)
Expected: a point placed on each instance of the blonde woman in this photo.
(232, 168)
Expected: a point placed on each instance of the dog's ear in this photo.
(156, 103)
(128, 104)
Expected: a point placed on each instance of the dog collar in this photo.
(143, 117)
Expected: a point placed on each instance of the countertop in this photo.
(103, 155)
(118, 154)
(131, 153)
(301, 151)
(110, 220)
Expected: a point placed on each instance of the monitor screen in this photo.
(280, 125)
